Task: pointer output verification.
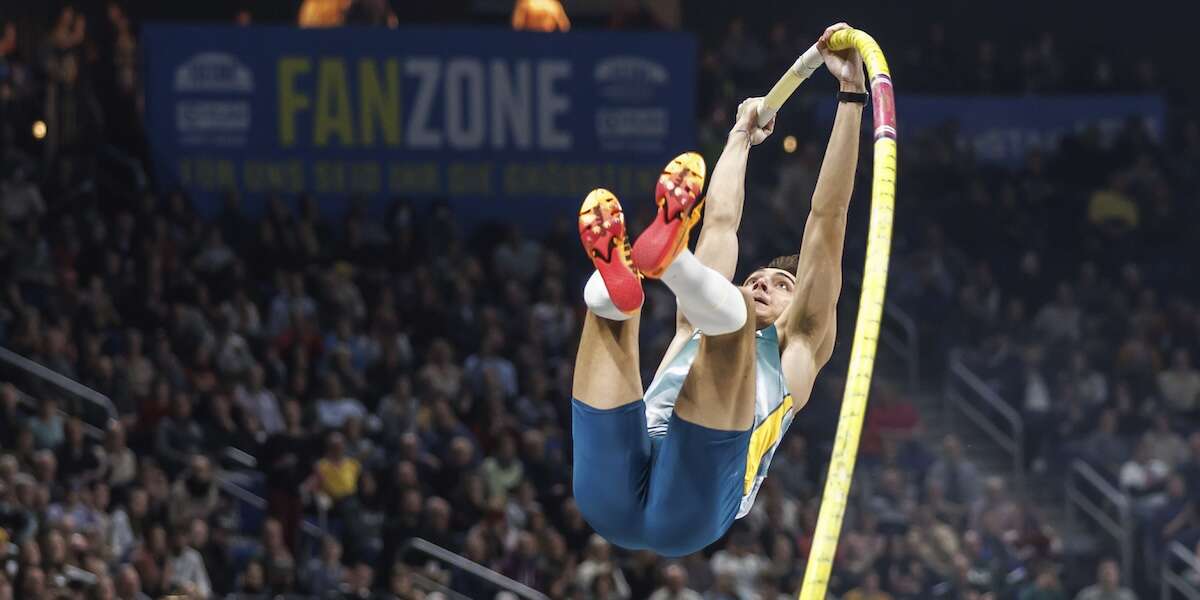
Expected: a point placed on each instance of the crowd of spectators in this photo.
(398, 377)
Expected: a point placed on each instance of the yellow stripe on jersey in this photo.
(765, 436)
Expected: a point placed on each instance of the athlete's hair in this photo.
(787, 262)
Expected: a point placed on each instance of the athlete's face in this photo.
(772, 291)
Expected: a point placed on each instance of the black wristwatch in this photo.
(855, 97)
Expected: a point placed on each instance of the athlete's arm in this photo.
(809, 323)
(717, 247)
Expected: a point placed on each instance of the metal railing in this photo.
(975, 399)
(102, 405)
(1178, 555)
(898, 333)
(1113, 514)
(465, 565)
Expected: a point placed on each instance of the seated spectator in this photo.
(502, 471)
(128, 584)
(440, 374)
(1060, 320)
(358, 445)
(933, 541)
(598, 563)
(1143, 478)
(740, 560)
(325, 575)
(675, 585)
(253, 581)
(892, 501)
(178, 437)
(956, 475)
(489, 360)
(278, 565)
(48, 425)
(77, 459)
(1164, 444)
(995, 503)
(256, 399)
(195, 494)
(863, 545)
(185, 567)
(118, 462)
(334, 408)
(1045, 586)
(1180, 384)
(11, 415)
(790, 467)
(335, 477)
(1108, 584)
(398, 411)
(1104, 447)
(523, 566)
(890, 416)
(356, 345)
(436, 526)
(1089, 384)
(292, 299)
(553, 315)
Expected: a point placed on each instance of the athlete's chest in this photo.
(770, 387)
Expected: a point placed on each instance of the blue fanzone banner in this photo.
(472, 115)
(1003, 130)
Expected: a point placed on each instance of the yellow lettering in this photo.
(291, 100)
(377, 104)
(364, 177)
(333, 116)
(225, 174)
(474, 179)
(329, 177)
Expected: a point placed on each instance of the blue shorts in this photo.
(672, 494)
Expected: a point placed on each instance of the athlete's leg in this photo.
(611, 446)
(607, 371)
(699, 473)
(696, 486)
(719, 391)
(606, 366)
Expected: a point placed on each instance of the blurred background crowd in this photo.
(379, 378)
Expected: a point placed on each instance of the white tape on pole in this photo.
(787, 84)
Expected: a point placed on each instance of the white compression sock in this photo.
(710, 302)
(595, 295)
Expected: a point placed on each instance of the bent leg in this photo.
(719, 390)
(696, 487)
(607, 372)
(608, 423)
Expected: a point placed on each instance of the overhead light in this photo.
(789, 144)
(39, 129)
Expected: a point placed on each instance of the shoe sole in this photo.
(677, 195)
(602, 231)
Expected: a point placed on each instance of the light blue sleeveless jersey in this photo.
(773, 406)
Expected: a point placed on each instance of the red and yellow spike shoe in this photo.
(602, 231)
(679, 204)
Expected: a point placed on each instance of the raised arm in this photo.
(717, 247)
(809, 323)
